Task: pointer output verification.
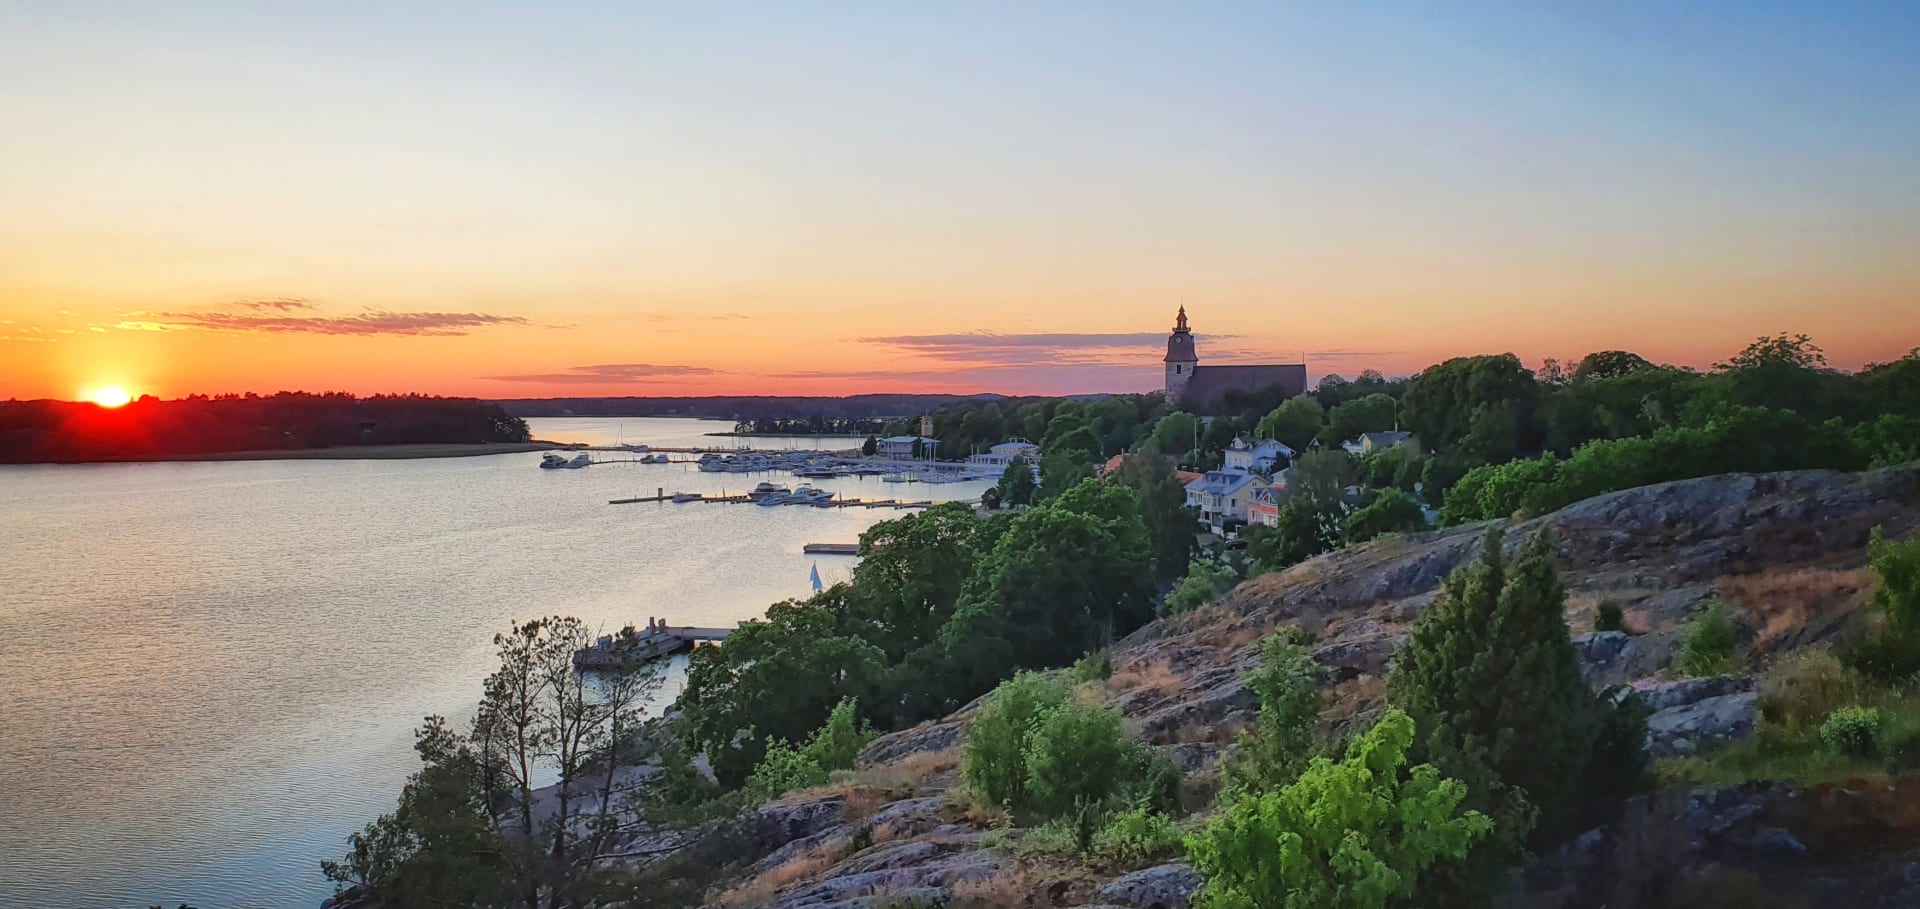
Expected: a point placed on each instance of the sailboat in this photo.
(816, 577)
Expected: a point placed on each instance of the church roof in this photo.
(1210, 383)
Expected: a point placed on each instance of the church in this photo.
(1210, 390)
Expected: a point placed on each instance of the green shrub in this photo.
(1353, 834)
(1609, 617)
(994, 761)
(1076, 756)
(831, 747)
(1281, 739)
(1205, 580)
(1136, 837)
(1890, 651)
(1094, 667)
(1852, 731)
(1708, 649)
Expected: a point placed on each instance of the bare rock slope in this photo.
(1784, 550)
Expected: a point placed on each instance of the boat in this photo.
(656, 459)
(807, 495)
(551, 461)
(580, 460)
(898, 478)
(822, 473)
(765, 490)
(686, 497)
(775, 500)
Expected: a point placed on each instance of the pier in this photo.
(638, 645)
(831, 549)
(683, 498)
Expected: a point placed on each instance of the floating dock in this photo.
(638, 645)
(831, 549)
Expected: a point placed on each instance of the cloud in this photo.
(268, 316)
(1037, 349)
(283, 304)
(1351, 354)
(610, 372)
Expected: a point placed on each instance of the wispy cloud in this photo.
(1036, 349)
(271, 317)
(610, 372)
(1350, 354)
(283, 304)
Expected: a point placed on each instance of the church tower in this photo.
(1181, 359)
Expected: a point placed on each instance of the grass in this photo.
(1784, 603)
(1797, 696)
(760, 890)
(1152, 675)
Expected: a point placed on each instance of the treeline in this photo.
(815, 425)
(37, 431)
(741, 407)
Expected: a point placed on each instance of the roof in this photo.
(1220, 482)
(1014, 446)
(1385, 438)
(908, 440)
(1186, 476)
(1210, 383)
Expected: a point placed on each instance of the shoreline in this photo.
(341, 453)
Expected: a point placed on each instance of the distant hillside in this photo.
(750, 407)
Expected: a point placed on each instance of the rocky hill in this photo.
(1784, 551)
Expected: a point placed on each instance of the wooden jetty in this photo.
(638, 645)
(831, 549)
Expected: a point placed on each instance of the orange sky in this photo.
(771, 201)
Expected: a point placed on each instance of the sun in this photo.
(110, 396)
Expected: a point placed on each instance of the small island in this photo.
(255, 427)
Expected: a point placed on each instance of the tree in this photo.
(1204, 582)
(1061, 469)
(1490, 676)
(1016, 483)
(1609, 364)
(776, 678)
(1175, 433)
(1163, 506)
(1058, 584)
(870, 446)
(910, 574)
(833, 746)
(1274, 751)
(1391, 511)
(467, 828)
(1349, 835)
(1796, 351)
(1491, 394)
(1295, 422)
(1373, 413)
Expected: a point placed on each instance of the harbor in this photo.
(638, 645)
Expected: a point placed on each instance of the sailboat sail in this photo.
(816, 577)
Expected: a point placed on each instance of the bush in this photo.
(1136, 837)
(1030, 748)
(1094, 667)
(1281, 739)
(1708, 649)
(1890, 651)
(1204, 582)
(994, 761)
(1609, 617)
(833, 746)
(1355, 834)
(1852, 731)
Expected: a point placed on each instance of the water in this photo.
(209, 672)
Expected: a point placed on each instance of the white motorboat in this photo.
(551, 461)
(580, 460)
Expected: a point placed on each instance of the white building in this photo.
(1256, 457)
(999, 456)
(901, 448)
(1370, 442)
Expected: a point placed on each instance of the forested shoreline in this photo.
(199, 425)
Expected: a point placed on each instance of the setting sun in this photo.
(110, 396)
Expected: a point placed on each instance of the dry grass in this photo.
(1019, 886)
(1789, 606)
(966, 806)
(760, 890)
(1153, 675)
(914, 770)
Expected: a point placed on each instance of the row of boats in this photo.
(556, 461)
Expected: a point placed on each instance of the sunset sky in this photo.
(528, 200)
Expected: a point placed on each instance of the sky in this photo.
(564, 199)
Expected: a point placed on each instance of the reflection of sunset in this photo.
(110, 396)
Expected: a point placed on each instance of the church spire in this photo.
(1180, 324)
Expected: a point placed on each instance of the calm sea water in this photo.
(209, 672)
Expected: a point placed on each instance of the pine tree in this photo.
(1491, 678)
